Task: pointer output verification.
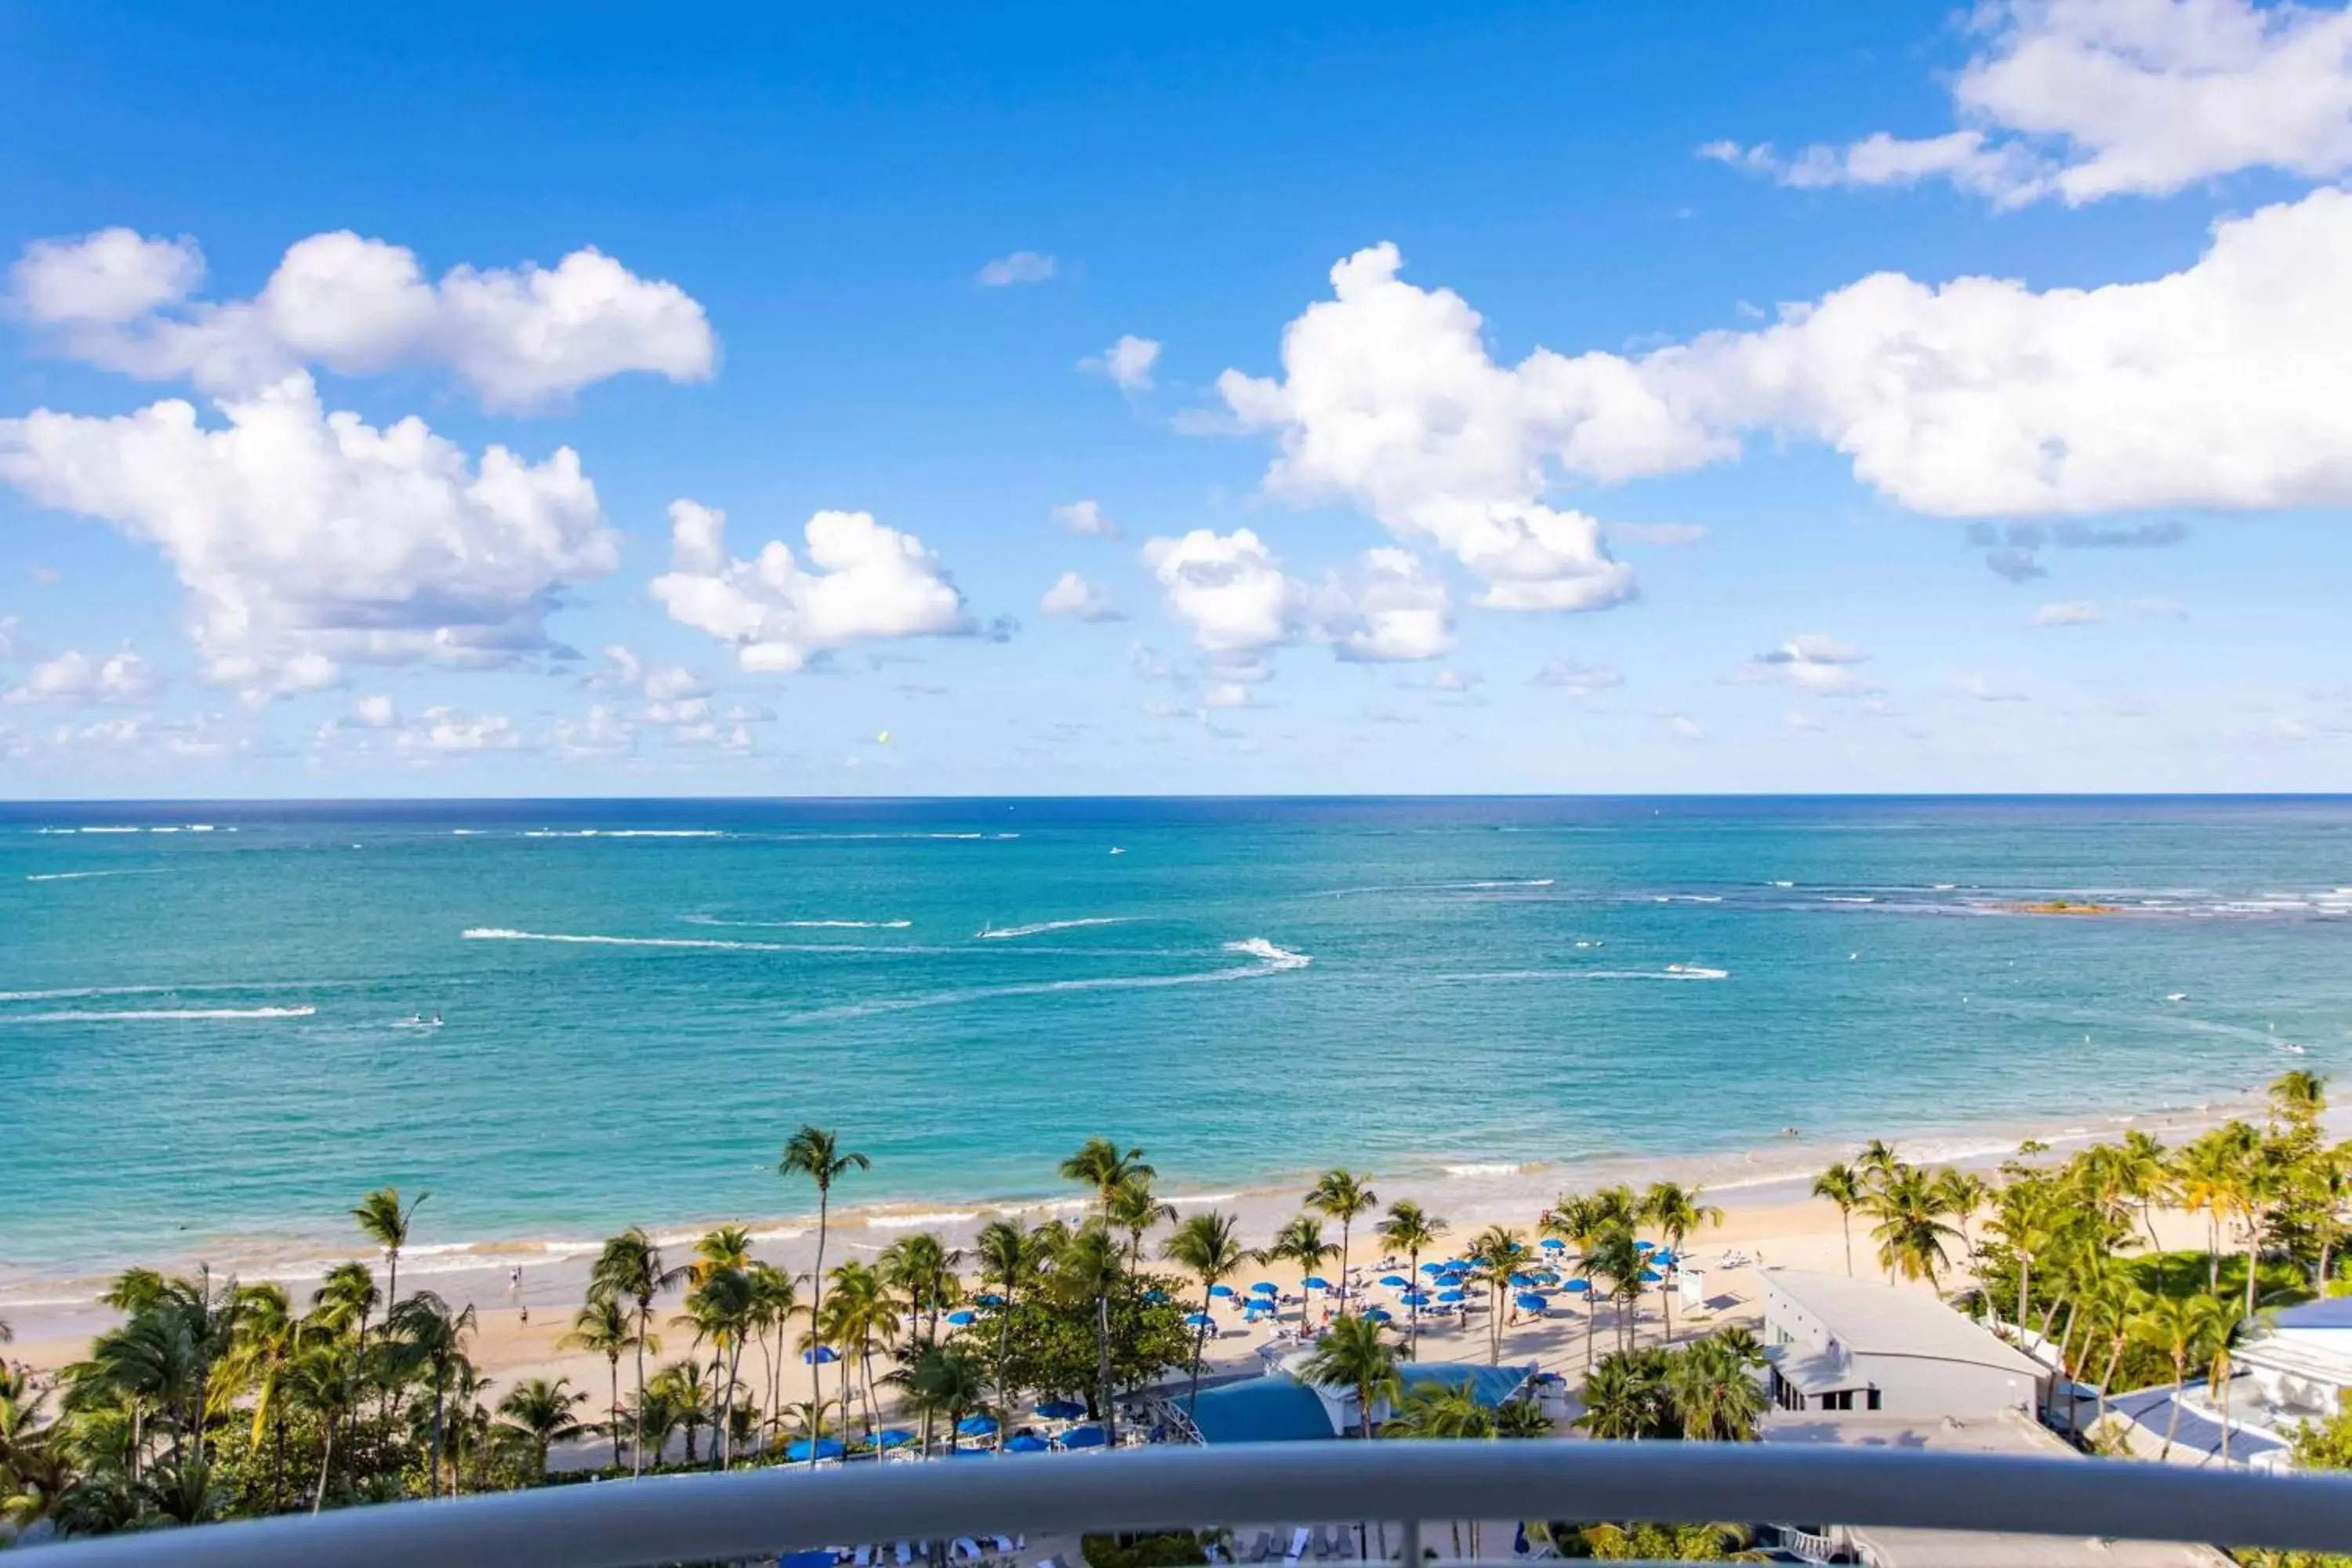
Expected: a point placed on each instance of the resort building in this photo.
(2291, 1369)
(1279, 1408)
(1839, 1344)
(2005, 1432)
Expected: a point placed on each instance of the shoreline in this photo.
(1468, 1194)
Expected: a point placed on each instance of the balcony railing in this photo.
(751, 1515)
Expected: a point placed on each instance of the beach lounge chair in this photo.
(1261, 1549)
(1003, 1544)
(906, 1554)
(965, 1549)
(1298, 1540)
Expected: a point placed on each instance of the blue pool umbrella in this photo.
(893, 1438)
(823, 1356)
(1316, 1282)
(1395, 1281)
(1449, 1295)
(963, 1320)
(1221, 1289)
(1554, 1244)
(1083, 1438)
(1578, 1287)
(1060, 1409)
(1265, 1287)
(1199, 1321)
(1531, 1302)
(800, 1451)
(976, 1425)
(1651, 1276)
(1027, 1442)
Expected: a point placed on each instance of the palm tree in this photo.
(1301, 1242)
(435, 1338)
(322, 1378)
(1617, 1398)
(1962, 1194)
(2299, 1096)
(860, 1315)
(345, 1298)
(630, 1270)
(1715, 1388)
(686, 1386)
(1877, 1159)
(386, 1223)
(603, 1327)
(1910, 1231)
(1009, 1258)
(1495, 1254)
(1205, 1246)
(1089, 1267)
(923, 1270)
(1100, 1164)
(1613, 1256)
(1135, 1208)
(816, 1152)
(722, 1247)
(2207, 1177)
(1408, 1229)
(1356, 1354)
(1341, 1195)
(267, 1336)
(1676, 1211)
(774, 1300)
(948, 1382)
(719, 1310)
(540, 1412)
(1843, 1185)
(2178, 1326)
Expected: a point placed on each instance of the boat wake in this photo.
(1001, 933)
(798, 925)
(1268, 959)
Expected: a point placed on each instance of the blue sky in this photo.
(1774, 505)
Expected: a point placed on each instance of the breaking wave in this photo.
(803, 925)
(79, 876)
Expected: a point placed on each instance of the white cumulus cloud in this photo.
(1391, 609)
(2081, 99)
(1128, 362)
(1021, 266)
(1072, 594)
(122, 677)
(861, 581)
(305, 538)
(1086, 517)
(1576, 678)
(520, 337)
(1230, 588)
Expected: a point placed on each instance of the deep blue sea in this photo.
(217, 1022)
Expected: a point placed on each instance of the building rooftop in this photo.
(2007, 1433)
(2335, 1313)
(1870, 1318)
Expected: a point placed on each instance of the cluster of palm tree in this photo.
(211, 1398)
(1704, 1391)
(1604, 1228)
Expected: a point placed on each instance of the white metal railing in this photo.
(750, 1515)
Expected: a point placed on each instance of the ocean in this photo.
(220, 1025)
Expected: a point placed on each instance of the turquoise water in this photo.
(215, 1041)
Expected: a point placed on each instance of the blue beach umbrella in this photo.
(1265, 1287)
(963, 1320)
(1553, 1244)
(1415, 1297)
(1645, 1246)
(1083, 1438)
(1060, 1409)
(1433, 1269)
(1394, 1281)
(1523, 1278)
(1531, 1302)
(976, 1425)
(1027, 1442)
(1379, 1315)
(1518, 1247)
(1449, 1295)
(1199, 1321)
(1155, 1295)
(971, 1453)
(803, 1450)
(1651, 1276)
(1316, 1282)
(823, 1356)
(1221, 1289)
(1578, 1287)
(893, 1438)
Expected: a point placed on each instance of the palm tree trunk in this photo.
(326, 1459)
(612, 1376)
(2254, 1257)
(1102, 1369)
(2024, 1288)
(2114, 1354)
(1846, 1219)
(2172, 1424)
(1199, 1345)
(816, 1312)
(637, 1447)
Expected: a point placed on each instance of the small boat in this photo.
(2176, 995)
(1117, 851)
(2290, 1047)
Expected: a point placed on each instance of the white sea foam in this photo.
(110, 830)
(999, 934)
(82, 875)
(1496, 1168)
(917, 1221)
(714, 944)
(1273, 957)
(158, 1015)
(623, 833)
